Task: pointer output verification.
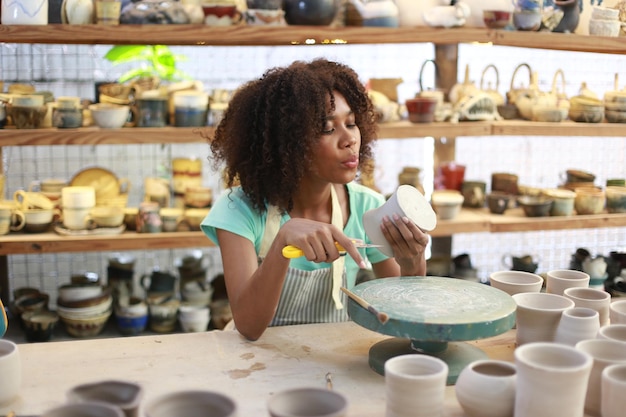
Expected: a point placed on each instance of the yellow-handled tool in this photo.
(291, 251)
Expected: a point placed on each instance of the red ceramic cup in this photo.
(421, 109)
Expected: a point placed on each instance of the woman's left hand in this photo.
(408, 243)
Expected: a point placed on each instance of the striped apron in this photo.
(308, 296)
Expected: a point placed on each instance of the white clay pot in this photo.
(486, 388)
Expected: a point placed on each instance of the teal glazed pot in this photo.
(310, 12)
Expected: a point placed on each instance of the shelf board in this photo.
(394, 130)
(23, 243)
(468, 221)
(247, 35)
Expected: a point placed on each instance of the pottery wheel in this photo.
(427, 314)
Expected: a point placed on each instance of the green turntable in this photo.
(433, 316)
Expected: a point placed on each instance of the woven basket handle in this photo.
(482, 77)
(556, 74)
(422, 71)
(530, 74)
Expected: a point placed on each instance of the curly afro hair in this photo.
(271, 126)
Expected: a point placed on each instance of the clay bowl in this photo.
(498, 201)
(615, 199)
(31, 302)
(85, 327)
(614, 116)
(77, 292)
(508, 111)
(535, 206)
(96, 300)
(496, 19)
(447, 203)
(109, 116)
(123, 394)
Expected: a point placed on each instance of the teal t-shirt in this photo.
(233, 212)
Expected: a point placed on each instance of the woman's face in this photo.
(336, 156)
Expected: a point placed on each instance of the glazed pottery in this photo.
(123, 394)
(515, 282)
(415, 385)
(405, 201)
(604, 352)
(192, 403)
(617, 311)
(39, 325)
(616, 199)
(310, 12)
(593, 298)
(552, 380)
(486, 388)
(589, 200)
(538, 316)
(498, 202)
(571, 15)
(576, 324)
(524, 263)
(10, 371)
(613, 332)
(613, 387)
(557, 280)
(313, 402)
(447, 203)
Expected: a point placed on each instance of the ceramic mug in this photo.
(617, 311)
(538, 315)
(576, 324)
(11, 219)
(158, 282)
(613, 387)
(557, 280)
(76, 218)
(593, 298)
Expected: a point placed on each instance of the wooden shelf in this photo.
(22, 243)
(395, 130)
(468, 221)
(245, 35)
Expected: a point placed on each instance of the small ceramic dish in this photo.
(123, 394)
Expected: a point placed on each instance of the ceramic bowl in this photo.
(31, 302)
(508, 111)
(109, 116)
(515, 282)
(527, 20)
(535, 206)
(193, 217)
(615, 199)
(75, 292)
(311, 402)
(313, 13)
(447, 203)
(27, 117)
(191, 403)
(131, 325)
(498, 202)
(123, 394)
(264, 4)
(39, 325)
(548, 114)
(86, 312)
(85, 327)
(589, 200)
(614, 116)
(107, 216)
(496, 19)
(421, 109)
(100, 298)
(85, 409)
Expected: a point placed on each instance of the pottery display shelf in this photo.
(434, 316)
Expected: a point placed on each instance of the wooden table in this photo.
(250, 372)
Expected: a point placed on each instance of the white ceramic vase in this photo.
(552, 380)
(486, 388)
(538, 316)
(576, 324)
(604, 352)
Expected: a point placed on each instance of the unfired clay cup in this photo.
(415, 385)
(613, 387)
(617, 312)
(551, 380)
(486, 388)
(613, 332)
(515, 282)
(10, 371)
(538, 316)
(598, 300)
(557, 280)
(310, 402)
(604, 352)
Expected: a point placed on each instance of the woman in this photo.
(293, 142)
